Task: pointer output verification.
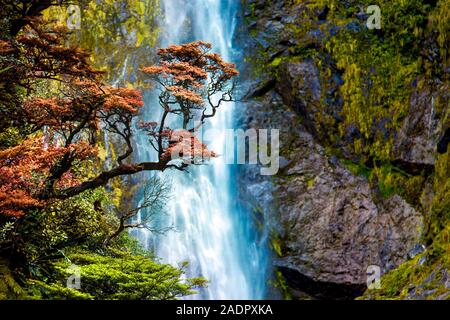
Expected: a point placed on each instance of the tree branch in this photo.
(105, 177)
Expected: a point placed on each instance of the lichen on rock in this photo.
(364, 119)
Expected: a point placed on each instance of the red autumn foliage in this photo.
(183, 144)
(37, 54)
(63, 129)
(23, 172)
(82, 107)
(44, 55)
(190, 77)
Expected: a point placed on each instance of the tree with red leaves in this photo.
(191, 76)
(35, 55)
(194, 83)
(64, 128)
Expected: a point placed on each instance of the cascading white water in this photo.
(213, 233)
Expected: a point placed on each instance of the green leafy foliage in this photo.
(10, 137)
(78, 220)
(117, 276)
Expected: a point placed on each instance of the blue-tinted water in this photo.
(215, 235)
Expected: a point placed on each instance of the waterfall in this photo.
(213, 233)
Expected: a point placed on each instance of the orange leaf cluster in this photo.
(186, 70)
(186, 146)
(185, 94)
(123, 98)
(46, 56)
(87, 99)
(25, 168)
(6, 47)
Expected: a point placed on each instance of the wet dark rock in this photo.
(352, 133)
(323, 13)
(333, 160)
(264, 39)
(362, 16)
(261, 90)
(273, 27)
(284, 163)
(252, 25)
(443, 142)
(353, 26)
(445, 279)
(430, 278)
(320, 289)
(418, 249)
(382, 127)
(337, 79)
(316, 34)
(416, 145)
(300, 88)
(276, 54)
(288, 19)
(425, 294)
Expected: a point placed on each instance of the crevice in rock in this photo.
(414, 168)
(319, 289)
(262, 90)
(443, 142)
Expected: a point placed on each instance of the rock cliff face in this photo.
(328, 209)
(418, 139)
(328, 223)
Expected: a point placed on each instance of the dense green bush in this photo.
(117, 275)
